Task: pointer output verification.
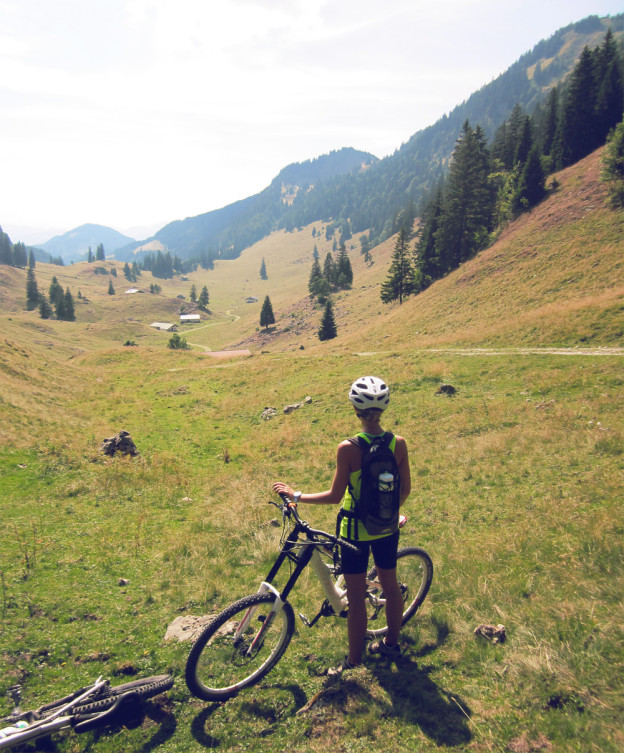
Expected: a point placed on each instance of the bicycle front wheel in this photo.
(414, 574)
(239, 647)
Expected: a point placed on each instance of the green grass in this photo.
(517, 489)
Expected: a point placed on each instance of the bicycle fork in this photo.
(277, 607)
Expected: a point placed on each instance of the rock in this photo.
(268, 413)
(494, 633)
(123, 582)
(446, 389)
(121, 442)
(293, 407)
(188, 627)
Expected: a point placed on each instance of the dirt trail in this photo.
(602, 351)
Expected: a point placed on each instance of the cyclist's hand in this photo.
(281, 488)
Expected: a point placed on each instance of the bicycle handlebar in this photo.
(289, 509)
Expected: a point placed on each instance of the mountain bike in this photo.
(244, 642)
(92, 707)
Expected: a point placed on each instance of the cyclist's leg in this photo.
(385, 556)
(356, 617)
(354, 567)
(394, 604)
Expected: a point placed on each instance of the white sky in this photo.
(133, 113)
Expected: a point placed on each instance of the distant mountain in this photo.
(74, 245)
(234, 227)
(355, 191)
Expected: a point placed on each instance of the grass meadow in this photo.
(517, 496)
(517, 489)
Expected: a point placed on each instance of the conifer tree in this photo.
(45, 310)
(328, 330)
(32, 291)
(330, 272)
(99, 253)
(193, 294)
(613, 167)
(315, 276)
(31, 259)
(111, 289)
(428, 265)
(70, 315)
(204, 299)
(532, 183)
(467, 205)
(344, 272)
(55, 291)
(263, 272)
(400, 281)
(266, 314)
(90, 256)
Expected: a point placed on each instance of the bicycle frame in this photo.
(60, 719)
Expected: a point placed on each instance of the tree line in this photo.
(489, 185)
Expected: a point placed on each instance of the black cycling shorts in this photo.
(384, 554)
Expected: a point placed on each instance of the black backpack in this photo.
(378, 504)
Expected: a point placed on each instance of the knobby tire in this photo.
(218, 667)
(146, 687)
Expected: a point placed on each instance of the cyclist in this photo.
(370, 397)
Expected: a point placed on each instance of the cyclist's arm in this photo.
(334, 495)
(402, 459)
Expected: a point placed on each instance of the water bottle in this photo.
(385, 484)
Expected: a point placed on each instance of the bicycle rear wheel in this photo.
(146, 687)
(224, 660)
(414, 573)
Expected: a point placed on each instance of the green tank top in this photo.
(348, 501)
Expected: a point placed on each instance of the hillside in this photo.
(554, 277)
(370, 199)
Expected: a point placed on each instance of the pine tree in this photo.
(55, 291)
(328, 329)
(20, 256)
(45, 310)
(263, 272)
(266, 314)
(193, 294)
(32, 291)
(613, 167)
(315, 276)
(70, 315)
(400, 281)
(532, 184)
(330, 272)
(610, 94)
(204, 299)
(90, 256)
(127, 272)
(344, 272)
(99, 253)
(426, 255)
(468, 203)
(111, 289)
(6, 249)
(31, 259)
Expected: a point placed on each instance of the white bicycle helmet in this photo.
(369, 392)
